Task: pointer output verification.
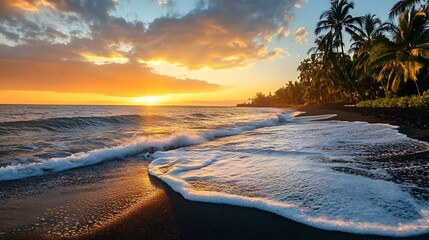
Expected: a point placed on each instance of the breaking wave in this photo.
(149, 145)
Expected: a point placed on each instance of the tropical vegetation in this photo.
(385, 60)
(413, 101)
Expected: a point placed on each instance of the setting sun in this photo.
(148, 100)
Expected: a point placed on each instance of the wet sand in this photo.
(170, 216)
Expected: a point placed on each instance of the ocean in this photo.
(70, 169)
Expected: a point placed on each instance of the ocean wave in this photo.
(149, 145)
(72, 123)
(199, 115)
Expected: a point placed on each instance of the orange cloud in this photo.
(216, 34)
(203, 42)
(299, 4)
(27, 5)
(222, 34)
(300, 35)
(55, 45)
(125, 80)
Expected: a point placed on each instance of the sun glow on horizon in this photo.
(100, 60)
(148, 100)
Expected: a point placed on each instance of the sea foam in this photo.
(289, 170)
(147, 145)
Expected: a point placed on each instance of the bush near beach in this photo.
(413, 101)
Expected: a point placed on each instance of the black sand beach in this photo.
(170, 216)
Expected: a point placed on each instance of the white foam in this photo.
(317, 117)
(288, 170)
(18, 171)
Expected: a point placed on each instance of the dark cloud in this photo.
(39, 19)
(94, 11)
(40, 51)
(9, 35)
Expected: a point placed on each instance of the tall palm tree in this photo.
(365, 37)
(333, 22)
(403, 5)
(403, 57)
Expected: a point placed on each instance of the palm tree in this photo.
(325, 71)
(403, 5)
(334, 21)
(403, 57)
(311, 77)
(368, 31)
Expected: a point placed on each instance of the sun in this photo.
(147, 100)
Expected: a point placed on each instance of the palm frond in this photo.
(403, 5)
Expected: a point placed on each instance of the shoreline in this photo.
(170, 216)
(412, 122)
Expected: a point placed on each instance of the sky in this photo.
(155, 52)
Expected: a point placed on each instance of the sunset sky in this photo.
(168, 52)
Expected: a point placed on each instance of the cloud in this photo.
(283, 32)
(218, 34)
(286, 52)
(165, 3)
(87, 25)
(300, 35)
(215, 34)
(26, 5)
(125, 80)
(299, 4)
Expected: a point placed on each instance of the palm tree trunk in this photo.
(417, 87)
(350, 93)
(345, 71)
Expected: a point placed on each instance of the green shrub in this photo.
(400, 102)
